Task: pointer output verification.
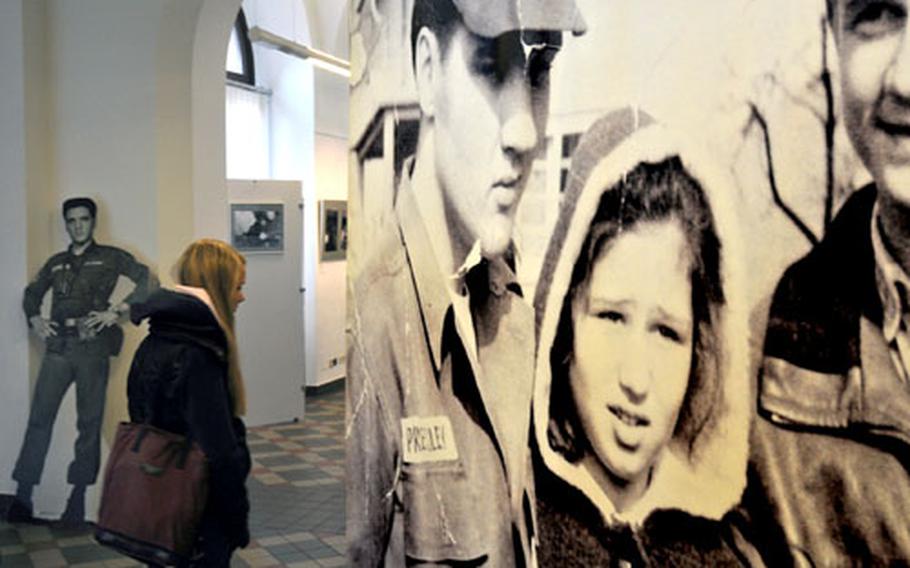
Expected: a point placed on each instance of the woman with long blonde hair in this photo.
(186, 379)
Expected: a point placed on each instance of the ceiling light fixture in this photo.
(320, 59)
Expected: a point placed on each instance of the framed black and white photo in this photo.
(333, 230)
(257, 227)
(766, 141)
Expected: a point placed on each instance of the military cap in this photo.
(491, 18)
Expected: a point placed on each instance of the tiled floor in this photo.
(296, 494)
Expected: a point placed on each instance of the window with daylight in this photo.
(240, 53)
(247, 111)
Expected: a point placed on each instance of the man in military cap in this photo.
(441, 361)
(80, 336)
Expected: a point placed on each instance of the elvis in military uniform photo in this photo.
(80, 336)
(441, 362)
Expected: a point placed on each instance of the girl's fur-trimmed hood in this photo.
(710, 481)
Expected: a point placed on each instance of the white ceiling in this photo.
(328, 21)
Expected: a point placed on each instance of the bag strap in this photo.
(174, 449)
(142, 432)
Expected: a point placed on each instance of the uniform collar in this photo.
(437, 289)
(891, 281)
(473, 259)
(431, 286)
(91, 245)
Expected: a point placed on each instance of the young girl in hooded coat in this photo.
(640, 402)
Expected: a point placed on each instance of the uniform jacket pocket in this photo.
(440, 523)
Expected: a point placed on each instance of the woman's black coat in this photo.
(178, 382)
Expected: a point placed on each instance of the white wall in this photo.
(105, 96)
(14, 350)
(331, 104)
(329, 26)
(309, 128)
(331, 183)
(292, 124)
(97, 99)
(123, 100)
(209, 50)
(331, 101)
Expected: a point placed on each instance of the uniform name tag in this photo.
(94, 263)
(428, 439)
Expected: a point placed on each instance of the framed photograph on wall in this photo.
(333, 230)
(257, 227)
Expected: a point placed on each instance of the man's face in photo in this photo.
(874, 56)
(490, 113)
(80, 225)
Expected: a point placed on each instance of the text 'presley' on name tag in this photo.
(428, 439)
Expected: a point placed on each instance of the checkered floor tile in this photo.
(296, 494)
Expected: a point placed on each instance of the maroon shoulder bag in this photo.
(154, 493)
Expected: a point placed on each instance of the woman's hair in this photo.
(217, 267)
(649, 193)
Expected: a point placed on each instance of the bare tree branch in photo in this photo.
(772, 180)
(830, 123)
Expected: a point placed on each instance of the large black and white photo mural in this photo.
(628, 283)
(75, 307)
